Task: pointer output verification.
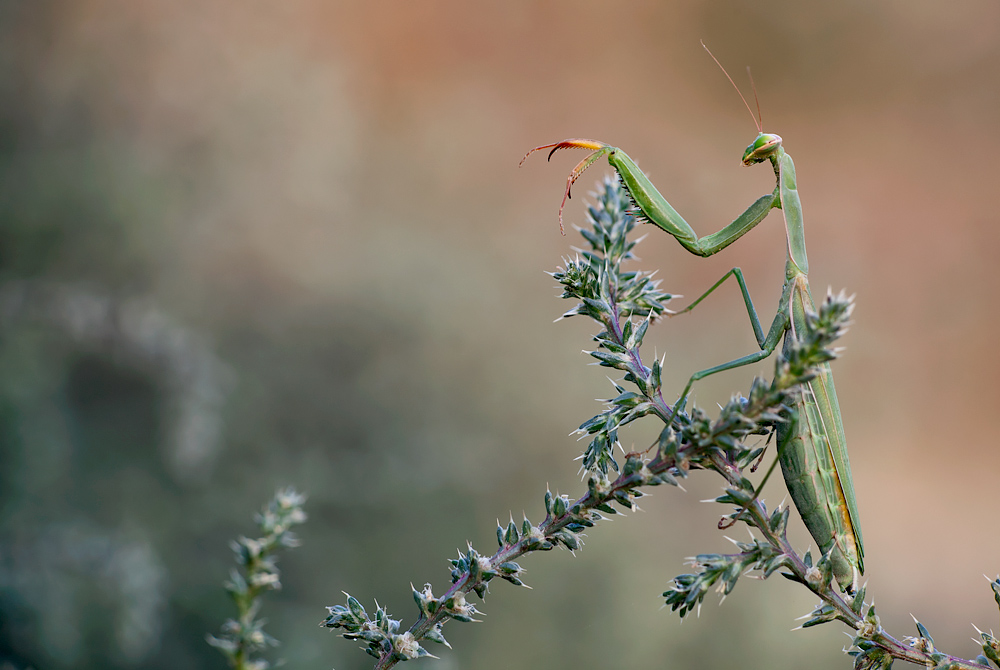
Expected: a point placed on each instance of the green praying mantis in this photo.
(812, 448)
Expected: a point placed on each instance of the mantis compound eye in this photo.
(762, 147)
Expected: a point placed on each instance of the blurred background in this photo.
(249, 245)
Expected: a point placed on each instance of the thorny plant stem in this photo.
(663, 410)
(758, 519)
(622, 298)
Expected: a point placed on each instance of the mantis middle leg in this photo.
(767, 343)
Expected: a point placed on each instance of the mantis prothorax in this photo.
(812, 448)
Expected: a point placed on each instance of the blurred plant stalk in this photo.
(244, 636)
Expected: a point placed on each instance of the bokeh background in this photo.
(247, 245)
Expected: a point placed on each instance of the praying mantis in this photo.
(812, 448)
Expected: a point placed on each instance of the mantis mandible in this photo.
(812, 448)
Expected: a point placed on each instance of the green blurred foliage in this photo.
(244, 246)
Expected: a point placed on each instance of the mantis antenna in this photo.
(760, 128)
(760, 116)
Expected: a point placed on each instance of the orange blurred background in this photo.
(301, 252)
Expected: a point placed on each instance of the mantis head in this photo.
(765, 146)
